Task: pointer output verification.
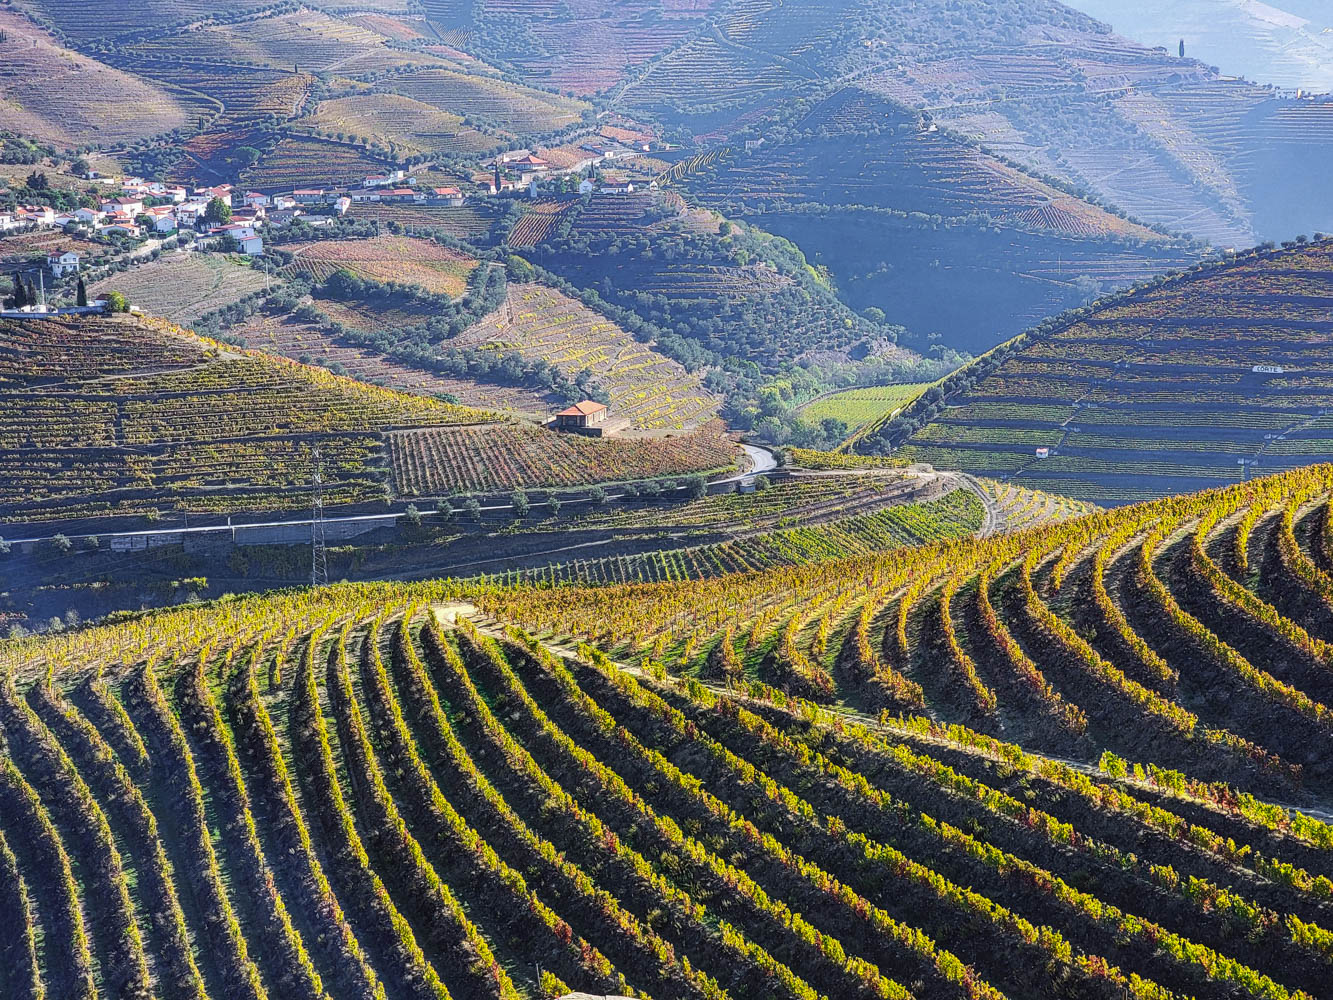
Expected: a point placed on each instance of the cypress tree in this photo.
(20, 293)
(82, 293)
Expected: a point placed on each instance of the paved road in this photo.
(763, 459)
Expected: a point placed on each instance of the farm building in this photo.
(589, 418)
(581, 416)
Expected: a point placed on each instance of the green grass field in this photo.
(861, 406)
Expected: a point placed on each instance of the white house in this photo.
(164, 218)
(123, 206)
(6, 221)
(586, 186)
(448, 195)
(342, 205)
(380, 180)
(310, 196)
(62, 264)
(256, 199)
(87, 215)
(64, 219)
(36, 215)
(176, 194)
(190, 213)
(123, 229)
(618, 187)
(247, 240)
(222, 191)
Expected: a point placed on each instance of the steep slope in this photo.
(354, 789)
(949, 239)
(649, 390)
(1196, 381)
(122, 415)
(53, 95)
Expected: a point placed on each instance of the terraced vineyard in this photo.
(498, 458)
(650, 390)
(312, 344)
(743, 293)
(128, 416)
(466, 222)
(509, 106)
(1200, 381)
(86, 22)
(863, 405)
(875, 530)
(855, 136)
(31, 247)
(302, 38)
(410, 126)
(356, 789)
(52, 94)
(184, 286)
(301, 162)
(403, 259)
(538, 222)
(243, 92)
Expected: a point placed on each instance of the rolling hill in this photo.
(650, 390)
(453, 788)
(55, 95)
(1204, 379)
(129, 416)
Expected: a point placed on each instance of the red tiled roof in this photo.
(582, 409)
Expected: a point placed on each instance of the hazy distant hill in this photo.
(1288, 43)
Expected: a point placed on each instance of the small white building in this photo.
(61, 264)
(164, 218)
(36, 215)
(257, 199)
(222, 191)
(618, 187)
(382, 180)
(586, 186)
(191, 213)
(87, 215)
(132, 207)
(247, 240)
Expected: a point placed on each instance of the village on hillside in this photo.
(133, 210)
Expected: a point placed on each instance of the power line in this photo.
(319, 566)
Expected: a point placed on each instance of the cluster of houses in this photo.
(523, 169)
(146, 208)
